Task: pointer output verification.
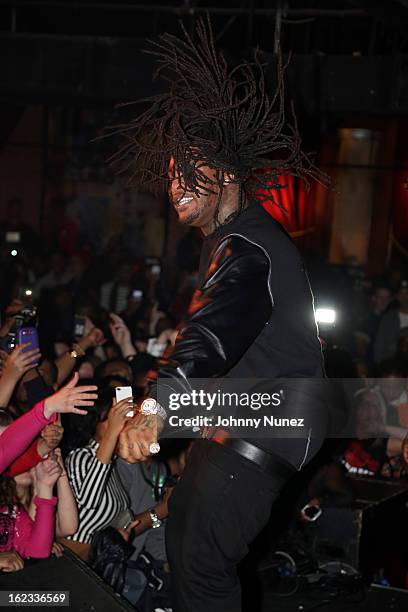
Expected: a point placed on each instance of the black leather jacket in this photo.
(252, 315)
(253, 297)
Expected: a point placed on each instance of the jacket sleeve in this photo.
(26, 461)
(18, 436)
(39, 543)
(226, 315)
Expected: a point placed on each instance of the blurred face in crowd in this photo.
(368, 417)
(118, 368)
(381, 298)
(199, 210)
(392, 386)
(86, 370)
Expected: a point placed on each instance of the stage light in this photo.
(325, 315)
(14, 253)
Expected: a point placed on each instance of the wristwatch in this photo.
(150, 406)
(156, 522)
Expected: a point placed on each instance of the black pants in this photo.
(220, 504)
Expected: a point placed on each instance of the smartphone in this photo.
(312, 513)
(124, 393)
(79, 326)
(137, 294)
(13, 237)
(28, 335)
(156, 270)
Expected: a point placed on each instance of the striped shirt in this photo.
(98, 490)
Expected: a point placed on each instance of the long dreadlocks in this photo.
(212, 116)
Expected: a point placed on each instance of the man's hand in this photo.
(51, 436)
(11, 561)
(19, 362)
(137, 436)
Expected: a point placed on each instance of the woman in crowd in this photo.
(99, 493)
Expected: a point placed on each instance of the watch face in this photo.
(149, 406)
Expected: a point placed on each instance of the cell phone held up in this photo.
(28, 335)
(79, 327)
(124, 393)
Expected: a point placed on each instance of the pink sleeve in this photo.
(38, 541)
(18, 436)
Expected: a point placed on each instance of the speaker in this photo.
(369, 535)
(87, 592)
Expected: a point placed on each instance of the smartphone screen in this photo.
(13, 237)
(137, 294)
(28, 335)
(155, 270)
(124, 393)
(79, 326)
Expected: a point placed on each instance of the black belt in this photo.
(267, 462)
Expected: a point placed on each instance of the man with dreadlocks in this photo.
(206, 139)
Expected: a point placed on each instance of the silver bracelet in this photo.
(156, 522)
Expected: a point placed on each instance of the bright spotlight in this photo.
(325, 315)
(28, 292)
(14, 253)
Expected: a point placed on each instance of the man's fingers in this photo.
(144, 448)
(78, 411)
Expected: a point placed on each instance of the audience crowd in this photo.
(104, 322)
